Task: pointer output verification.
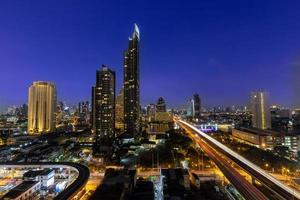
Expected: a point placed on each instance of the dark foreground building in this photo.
(197, 106)
(117, 184)
(161, 105)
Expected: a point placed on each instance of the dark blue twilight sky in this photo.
(220, 49)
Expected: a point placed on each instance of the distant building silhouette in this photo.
(197, 106)
(161, 105)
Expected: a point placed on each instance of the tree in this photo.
(282, 151)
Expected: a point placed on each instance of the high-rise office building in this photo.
(296, 119)
(83, 113)
(103, 103)
(197, 106)
(151, 111)
(83, 107)
(260, 108)
(41, 107)
(193, 110)
(190, 108)
(280, 118)
(120, 111)
(132, 84)
(161, 105)
(22, 111)
(93, 110)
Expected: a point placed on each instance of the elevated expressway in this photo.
(72, 189)
(222, 156)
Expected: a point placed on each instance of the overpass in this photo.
(72, 189)
(220, 154)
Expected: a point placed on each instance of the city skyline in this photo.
(149, 100)
(33, 40)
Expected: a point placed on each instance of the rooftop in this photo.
(19, 189)
(262, 132)
(34, 173)
(256, 131)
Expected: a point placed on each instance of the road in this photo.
(94, 181)
(270, 182)
(249, 191)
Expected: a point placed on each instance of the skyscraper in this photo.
(83, 112)
(161, 105)
(41, 107)
(83, 107)
(151, 111)
(120, 111)
(194, 107)
(190, 108)
(132, 84)
(103, 103)
(197, 106)
(260, 108)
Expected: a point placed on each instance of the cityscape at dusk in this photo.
(149, 100)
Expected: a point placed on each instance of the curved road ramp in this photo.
(72, 189)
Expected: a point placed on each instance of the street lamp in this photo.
(282, 170)
(266, 165)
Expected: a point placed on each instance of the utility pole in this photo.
(157, 159)
(152, 161)
(202, 164)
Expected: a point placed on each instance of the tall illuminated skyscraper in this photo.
(41, 107)
(132, 84)
(260, 108)
(103, 103)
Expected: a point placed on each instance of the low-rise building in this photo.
(45, 177)
(176, 182)
(259, 138)
(144, 190)
(157, 137)
(23, 191)
(163, 122)
(116, 184)
(267, 139)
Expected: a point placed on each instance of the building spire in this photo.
(136, 32)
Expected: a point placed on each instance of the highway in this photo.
(217, 152)
(249, 191)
